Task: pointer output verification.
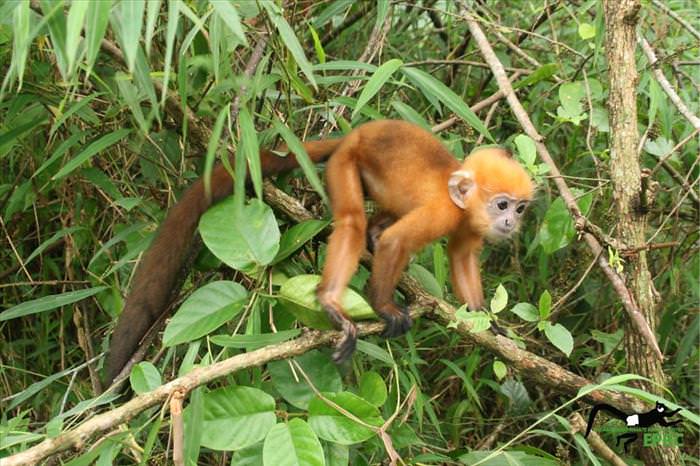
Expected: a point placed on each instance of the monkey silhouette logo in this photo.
(657, 415)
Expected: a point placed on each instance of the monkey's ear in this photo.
(461, 185)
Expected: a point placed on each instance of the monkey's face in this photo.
(504, 213)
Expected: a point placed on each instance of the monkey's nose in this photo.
(507, 221)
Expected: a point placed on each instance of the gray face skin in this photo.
(505, 213)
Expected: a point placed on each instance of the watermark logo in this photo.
(637, 423)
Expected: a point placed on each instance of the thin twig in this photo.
(662, 6)
(665, 85)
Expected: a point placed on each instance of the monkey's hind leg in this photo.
(379, 222)
(346, 244)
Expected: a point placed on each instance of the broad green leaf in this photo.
(248, 456)
(478, 321)
(527, 151)
(251, 342)
(542, 73)
(74, 25)
(570, 96)
(95, 28)
(526, 311)
(204, 311)
(429, 85)
(517, 394)
(298, 296)
(545, 305)
(292, 444)
(56, 22)
(408, 113)
(98, 146)
(129, 28)
(336, 455)
(297, 236)
(47, 303)
(506, 458)
(586, 31)
(246, 240)
(297, 148)
(426, 279)
(560, 337)
(499, 300)
(375, 83)
(236, 417)
(334, 426)
(557, 228)
(293, 387)
(375, 352)
(152, 12)
(144, 377)
(373, 388)
(289, 39)
(229, 14)
(499, 369)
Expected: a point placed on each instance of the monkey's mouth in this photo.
(498, 233)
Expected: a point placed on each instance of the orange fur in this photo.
(405, 169)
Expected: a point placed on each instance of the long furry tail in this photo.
(610, 409)
(157, 279)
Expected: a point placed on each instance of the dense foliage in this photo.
(94, 148)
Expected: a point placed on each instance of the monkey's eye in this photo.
(520, 209)
(503, 205)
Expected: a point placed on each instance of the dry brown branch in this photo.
(178, 426)
(666, 85)
(615, 279)
(578, 425)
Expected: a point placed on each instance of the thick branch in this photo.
(504, 84)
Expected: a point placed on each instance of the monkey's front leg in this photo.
(394, 248)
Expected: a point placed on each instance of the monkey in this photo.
(657, 415)
(422, 192)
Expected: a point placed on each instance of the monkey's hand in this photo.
(397, 319)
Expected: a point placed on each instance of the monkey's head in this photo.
(493, 190)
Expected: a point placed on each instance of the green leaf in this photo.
(290, 40)
(204, 311)
(557, 229)
(249, 143)
(320, 369)
(297, 148)
(586, 31)
(542, 73)
(426, 279)
(236, 417)
(245, 240)
(212, 147)
(229, 14)
(499, 369)
(56, 22)
(47, 303)
(144, 377)
(74, 25)
(526, 311)
(375, 83)
(320, 53)
(95, 28)
(297, 236)
(173, 18)
(292, 444)
(408, 113)
(298, 296)
(334, 426)
(560, 337)
(499, 300)
(251, 342)
(373, 388)
(21, 41)
(570, 96)
(478, 321)
(152, 13)
(98, 146)
(375, 352)
(517, 394)
(129, 28)
(505, 458)
(429, 85)
(545, 306)
(527, 151)
(249, 456)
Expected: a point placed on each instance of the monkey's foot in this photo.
(346, 346)
(396, 324)
(496, 330)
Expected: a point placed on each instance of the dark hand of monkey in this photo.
(397, 319)
(346, 346)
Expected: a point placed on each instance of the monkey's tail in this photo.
(158, 276)
(610, 409)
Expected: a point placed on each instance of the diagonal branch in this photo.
(615, 279)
